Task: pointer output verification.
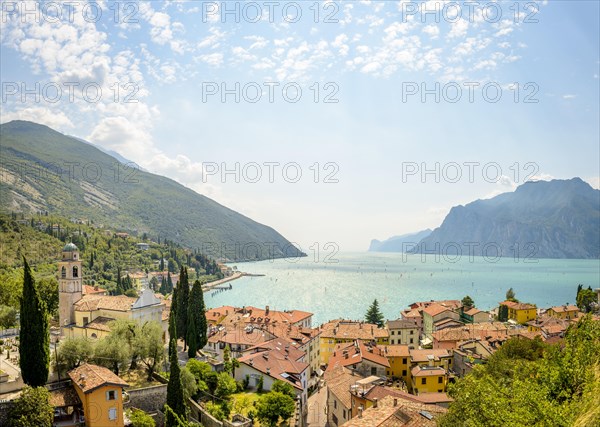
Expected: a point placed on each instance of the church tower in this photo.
(70, 280)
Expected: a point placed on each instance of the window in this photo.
(440, 380)
(404, 361)
(63, 273)
(440, 391)
(373, 371)
(111, 395)
(86, 320)
(412, 332)
(344, 414)
(392, 341)
(393, 332)
(404, 372)
(112, 414)
(423, 381)
(411, 340)
(335, 404)
(75, 272)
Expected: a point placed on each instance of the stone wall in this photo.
(198, 413)
(148, 399)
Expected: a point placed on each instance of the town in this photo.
(243, 366)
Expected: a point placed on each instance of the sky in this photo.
(332, 122)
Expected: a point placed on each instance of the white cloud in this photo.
(432, 30)
(46, 116)
(569, 96)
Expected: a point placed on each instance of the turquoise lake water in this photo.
(346, 288)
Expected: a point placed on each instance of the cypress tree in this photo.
(183, 292)
(169, 283)
(202, 323)
(174, 388)
(173, 321)
(192, 331)
(34, 336)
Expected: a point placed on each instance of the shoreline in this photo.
(212, 285)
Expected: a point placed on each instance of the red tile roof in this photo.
(277, 364)
(88, 377)
(351, 354)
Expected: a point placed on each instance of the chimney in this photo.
(375, 403)
(266, 310)
(360, 411)
(395, 402)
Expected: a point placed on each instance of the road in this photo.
(316, 409)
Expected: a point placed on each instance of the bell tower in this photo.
(70, 280)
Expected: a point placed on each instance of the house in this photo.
(339, 403)
(403, 332)
(450, 338)
(68, 409)
(520, 312)
(468, 354)
(474, 315)
(101, 394)
(392, 411)
(275, 360)
(399, 358)
(563, 311)
(360, 357)
(143, 246)
(428, 379)
(434, 313)
(347, 331)
(414, 315)
(239, 337)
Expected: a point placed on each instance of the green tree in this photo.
(226, 386)
(173, 321)
(149, 346)
(284, 388)
(48, 288)
(510, 295)
(502, 313)
(227, 364)
(374, 315)
(71, 353)
(260, 384)
(8, 317)
(32, 408)
(174, 388)
(586, 299)
(34, 333)
(188, 382)
(273, 406)
(183, 292)
(215, 410)
(196, 319)
(467, 301)
(112, 352)
(139, 418)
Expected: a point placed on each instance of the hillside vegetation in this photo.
(44, 170)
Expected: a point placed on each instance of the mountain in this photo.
(401, 243)
(540, 219)
(44, 170)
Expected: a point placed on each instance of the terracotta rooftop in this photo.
(471, 331)
(90, 290)
(351, 354)
(435, 309)
(100, 323)
(427, 371)
(104, 302)
(411, 313)
(88, 377)
(338, 382)
(64, 397)
(395, 350)
(401, 324)
(239, 334)
(564, 308)
(518, 305)
(473, 311)
(450, 303)
(258, 315)
(394, 412)
(277, 363)
(345, 329)
(421, 356)
(281, 345)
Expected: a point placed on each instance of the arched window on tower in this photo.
(63, 273)
(75, 272)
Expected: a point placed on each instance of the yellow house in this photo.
(101, 393)
(346, 331)
(428, 379)
(520, 312)
(563, 312)
(399, 358)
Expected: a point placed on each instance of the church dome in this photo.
(70, 247)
